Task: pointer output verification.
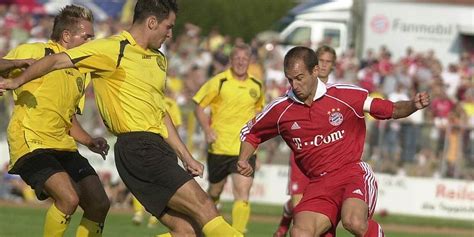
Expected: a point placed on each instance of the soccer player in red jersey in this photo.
(325, 128)
(297, 180)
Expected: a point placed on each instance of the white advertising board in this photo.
(423, 26)
(426, 196)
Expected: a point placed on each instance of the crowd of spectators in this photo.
(436, 142)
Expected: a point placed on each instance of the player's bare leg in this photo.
(192, 201)
(309, 224)
(180, 224)
(60, 187)
(93, 199)
(354, 216)
(215, 191)
(95, 203)
(241, 209)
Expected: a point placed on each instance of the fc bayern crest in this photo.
(335, 117)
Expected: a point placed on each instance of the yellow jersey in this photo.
(233, 103)
(174, 111)
(128, 82)
(44, 107)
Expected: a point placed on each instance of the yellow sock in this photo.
(218, 227)
(88, 228)
(164, 235)
(29, 194)
(152, 222)
(137, 206)
(56, 222)
(240, 215)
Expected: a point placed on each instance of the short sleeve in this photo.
(207, 93)
(98, 56)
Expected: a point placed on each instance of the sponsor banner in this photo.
(269, 186)
(431, 197)
(418, 24)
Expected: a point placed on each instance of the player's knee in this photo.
(355, 225)
(68, 202)
(215, 190)
(183, 232)
(208, 204)
(102, 205)
(297, 231)
(183, 228)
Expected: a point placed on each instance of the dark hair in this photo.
(326, 49)
(68, 18)
(158, 8)
(307, 55)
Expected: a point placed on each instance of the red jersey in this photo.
(325, 136)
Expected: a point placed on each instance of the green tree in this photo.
(237, 18)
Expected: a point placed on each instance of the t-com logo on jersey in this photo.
(319, 139)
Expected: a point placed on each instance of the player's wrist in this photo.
(89, 142)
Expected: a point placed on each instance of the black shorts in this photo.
(149, 168)
(36, 167)
(220, 166)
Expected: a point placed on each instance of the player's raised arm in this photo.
(403, 109)
(36, 70)
(385, 109)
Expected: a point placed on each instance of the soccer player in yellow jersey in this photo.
(128, 73)
(175, 114)
(43, 131)
(234, 97)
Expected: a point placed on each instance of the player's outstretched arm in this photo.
(36, 70)
(403, 109)
(246, 151)
(190, 164)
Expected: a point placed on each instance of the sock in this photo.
(374, 230)
(137, 218)
(286, 217)
(164, 235)
(240, 215)
(137, 206)
(88, 228)
(152, 222)
(218, 227)
(28, 194)
(56, 222)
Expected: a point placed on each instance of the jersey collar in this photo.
(320, 91)
(228, 74)
(57, 46)
(129, 37)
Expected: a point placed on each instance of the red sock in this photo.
(374, 230)
(286, 218)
